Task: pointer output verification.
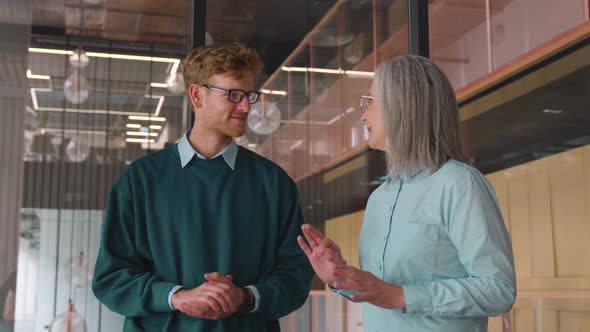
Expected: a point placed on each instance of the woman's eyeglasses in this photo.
(366, 102)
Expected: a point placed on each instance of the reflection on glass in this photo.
(76, 88)
(326, 75)
(459, 46)
(519, 26)
(69, 321)
(264, 118)
(98, 97)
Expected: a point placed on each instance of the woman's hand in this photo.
(323, 254)
(370, 288)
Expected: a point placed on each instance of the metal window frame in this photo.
(418, 41)
(197, 38)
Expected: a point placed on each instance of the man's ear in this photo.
(195, 92)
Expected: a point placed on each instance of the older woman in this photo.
(434, 251)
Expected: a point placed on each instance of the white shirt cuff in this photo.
(172, 291)
(256, 297)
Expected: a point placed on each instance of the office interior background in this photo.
(87, 86)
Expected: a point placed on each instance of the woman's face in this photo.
(373, 119)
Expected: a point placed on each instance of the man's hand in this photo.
(236, 295)
(323, 254)
(197, 309)
(211, 300)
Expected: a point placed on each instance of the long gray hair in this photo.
(420, 114)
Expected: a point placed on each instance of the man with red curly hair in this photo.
(202, 236)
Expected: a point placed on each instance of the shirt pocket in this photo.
(424, 229)
(417, 253)
(424, 220)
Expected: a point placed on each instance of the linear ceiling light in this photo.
(37, 77)
(140, 133)
(147, 118)
(175, 62)
(140, 140)
(330, 71)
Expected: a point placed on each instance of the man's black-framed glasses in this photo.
(236, 95)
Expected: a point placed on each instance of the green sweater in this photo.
(166, 225)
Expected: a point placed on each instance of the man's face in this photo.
(217, 113)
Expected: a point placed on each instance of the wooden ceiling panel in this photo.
(176, 8)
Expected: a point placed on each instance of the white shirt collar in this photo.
(186, 152)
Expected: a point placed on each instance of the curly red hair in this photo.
(235, 60)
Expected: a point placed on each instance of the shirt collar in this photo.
(408, 177)
(186, 152)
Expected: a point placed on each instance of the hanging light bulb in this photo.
(208, 39)
(79, 270)
(264, 122)
(175, 83)
(69, 321)
(331, 37)
(354, 52)
(77, 149)
(242, 140)
(76, 88)
(79, 59)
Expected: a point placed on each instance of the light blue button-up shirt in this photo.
(229, 154)
(187, 152)
(442, 239)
